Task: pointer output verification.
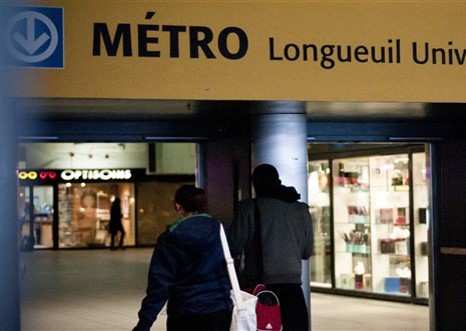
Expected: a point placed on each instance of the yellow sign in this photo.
(304, 51)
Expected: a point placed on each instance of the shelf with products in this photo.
(352, 224)
(371, 204)
(357, 240)
(390, 205)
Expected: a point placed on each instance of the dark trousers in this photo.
(295, 316)
(122, 238)
(219, 321)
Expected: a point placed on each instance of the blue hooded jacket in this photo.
(188, 269)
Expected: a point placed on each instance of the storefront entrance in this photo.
(369, 205)
(36, 213)
(68, 206)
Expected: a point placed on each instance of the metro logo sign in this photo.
(34, 37)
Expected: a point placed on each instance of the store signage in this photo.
(105, 174)
(32, 175)
(411, 51)
(79, 174)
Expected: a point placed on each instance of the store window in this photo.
(370, 221)
(84, 213)
(319, 204)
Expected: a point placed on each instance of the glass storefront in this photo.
(68, 206)
(84, 213)
(370, 214)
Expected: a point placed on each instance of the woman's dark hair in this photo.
(191, 198)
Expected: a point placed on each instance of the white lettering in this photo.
(67, 174)
(105, 174)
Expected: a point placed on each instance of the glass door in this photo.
(420, 204)
(36, 212)
(25, 210)
(319, 206)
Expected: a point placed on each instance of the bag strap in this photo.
(231, 267)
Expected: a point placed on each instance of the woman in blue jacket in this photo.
(188, 271)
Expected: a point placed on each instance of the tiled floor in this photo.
(102, 289)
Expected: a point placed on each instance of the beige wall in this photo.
(271, 69)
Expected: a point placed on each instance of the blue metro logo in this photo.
(34, 37)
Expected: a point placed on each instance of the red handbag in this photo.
(268, 312)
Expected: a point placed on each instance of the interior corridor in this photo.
(91, 290)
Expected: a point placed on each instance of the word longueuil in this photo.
(389, 53)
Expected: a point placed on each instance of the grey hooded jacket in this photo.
(287, 239)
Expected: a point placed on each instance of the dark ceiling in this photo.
(142, 120)
(95, 109)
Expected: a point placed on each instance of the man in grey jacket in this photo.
(286, 238)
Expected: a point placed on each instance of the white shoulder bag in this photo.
(244, 309)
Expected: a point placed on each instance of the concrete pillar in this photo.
(279, 137)
(9, 224)
(9, 248)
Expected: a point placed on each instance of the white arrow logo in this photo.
(30, 44)
(24, 48)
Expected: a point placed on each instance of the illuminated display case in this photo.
(319, 206)
(391, 234)
(374, 210)
(352, 226)
(421, 218)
